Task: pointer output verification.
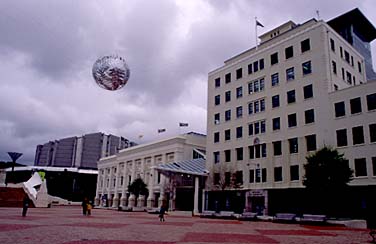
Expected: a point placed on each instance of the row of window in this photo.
(355, 105)
(260, 150)
(346, 75)
(357, 135)
(344, 54)
(259, 64)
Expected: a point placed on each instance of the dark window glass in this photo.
(277, 174)
(227, 135)
(255, 66)
(227, 155)
(347, 56)
(374, 166)
(263, 150)
(217, 99)
(294, 172)
(334, 67)
(305, 45)
(250, 129)
(228, 96)
(343, 73)
(275, 79)
(371, 101)
(293, 143)
(256, 106)
(216, 157)
(289, 52)
(251, 150)
(239, 92)
(262, 104)
(250, 70)
(263, 126)
(307, 68)
(216, 137)
(257, 128)
(263, 175)
(251, 176)
(311, 142)
(291, 96)
(292, 120)
(239, 177)
(239, 132)
(341, 52)
(358, 135)
(227, 178)
(228, 78)
(217, 178)
(348, 77)
(250, 87)
(290, 74)
(274, 58)
(239, 153)
(360, 167)
(217, 118)
(308, 91)
(309, 116)
(341, 137)
(372, 132)
(250, 108)
(262, 84)
(339, 109)
(256, 86)
(218, 82)
(261, 63)
(275, 101)
(258, 175)
(277, 148)
(359, 67)
(239, 112)
(355, 105)
(276, 123)
(352, 61)
(257, 151)
(332, 45)
(239, 73)
(227, 115)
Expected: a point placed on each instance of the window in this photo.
(227, 135)
(360, 167)
(293, 143)
(227, 155)
(239, 177)
(263, 175)
(239, 132)
(308, 91)
(258, 175)
(341, 137)
(292, 120)
(309, 116)
(307, 68)
(359, 67)
(263, 126)
(311, 142)
(262, 104)
(239, 112)
(352, 61)
(290, 74)
(250, 129)
(348, 77)
(256, 106)
(217, 99)
(228, 96)
(216, 157)
(291, 96)
(276, 123)
(217, 178)
(261, 63)
(355, 105)
(239, 92)
(257, 128)
(358, 135)
(341, 52)
(228, 78)
(239, 153)
(255, 66)
(249, 68)
(251, 150)
(347, 57)
(217, 118)
(371, 101)
(257, 151)
(216, 137)
(251, 176)
(305, 45)
(227, 115)
(262, 84)
(227, 178)
(294, 172)
(374, 165)
(372, 132)
(343, 73)
(239, 73)
(332, 45)
(263, 150)
(256, 86)
(275, 79)
(289, 52)
(339, 109)
(277, 148)
(334, 67)
(275, 101)
(277, 174)
(274, 58)
(335, 87)
(250, 108)
(217, 82)
(250, 87)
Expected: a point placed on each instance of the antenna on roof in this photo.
(318, 14)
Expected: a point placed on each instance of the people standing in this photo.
(25, 205)
(162, 212)
(88, 208)
(84, 204)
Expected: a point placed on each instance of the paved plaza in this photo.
(67, 225)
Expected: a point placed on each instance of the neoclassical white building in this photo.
(172, 168)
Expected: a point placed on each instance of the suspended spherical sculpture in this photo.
(111, 72)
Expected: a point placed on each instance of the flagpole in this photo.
(256, 33)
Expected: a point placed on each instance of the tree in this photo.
(138, 187)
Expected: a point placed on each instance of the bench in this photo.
(312, 218)
(284, 217)
(207, 214)
(248, 216)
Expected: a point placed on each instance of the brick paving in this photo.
(67, 225)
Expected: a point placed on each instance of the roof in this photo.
(53, 169)
(193, 167)
(356, 18)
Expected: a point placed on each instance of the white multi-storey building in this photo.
(272, 105)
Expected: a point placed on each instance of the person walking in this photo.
(162, 212)
(25, 205)
(88, 208)
(84, 205)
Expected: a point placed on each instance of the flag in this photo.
(161, 130)
(259, 24)
(183, 124)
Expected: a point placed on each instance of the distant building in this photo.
(79, 152)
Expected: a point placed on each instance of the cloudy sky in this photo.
(47, 49)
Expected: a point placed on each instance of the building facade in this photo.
(117, 172)
(271, 106)
(79, 152)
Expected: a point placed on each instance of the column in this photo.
(123, 199)
(195, 204)
(115, 201)
(99, 179)
(109, 198)
(132, 197)
(150, 200)
(162, 198)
